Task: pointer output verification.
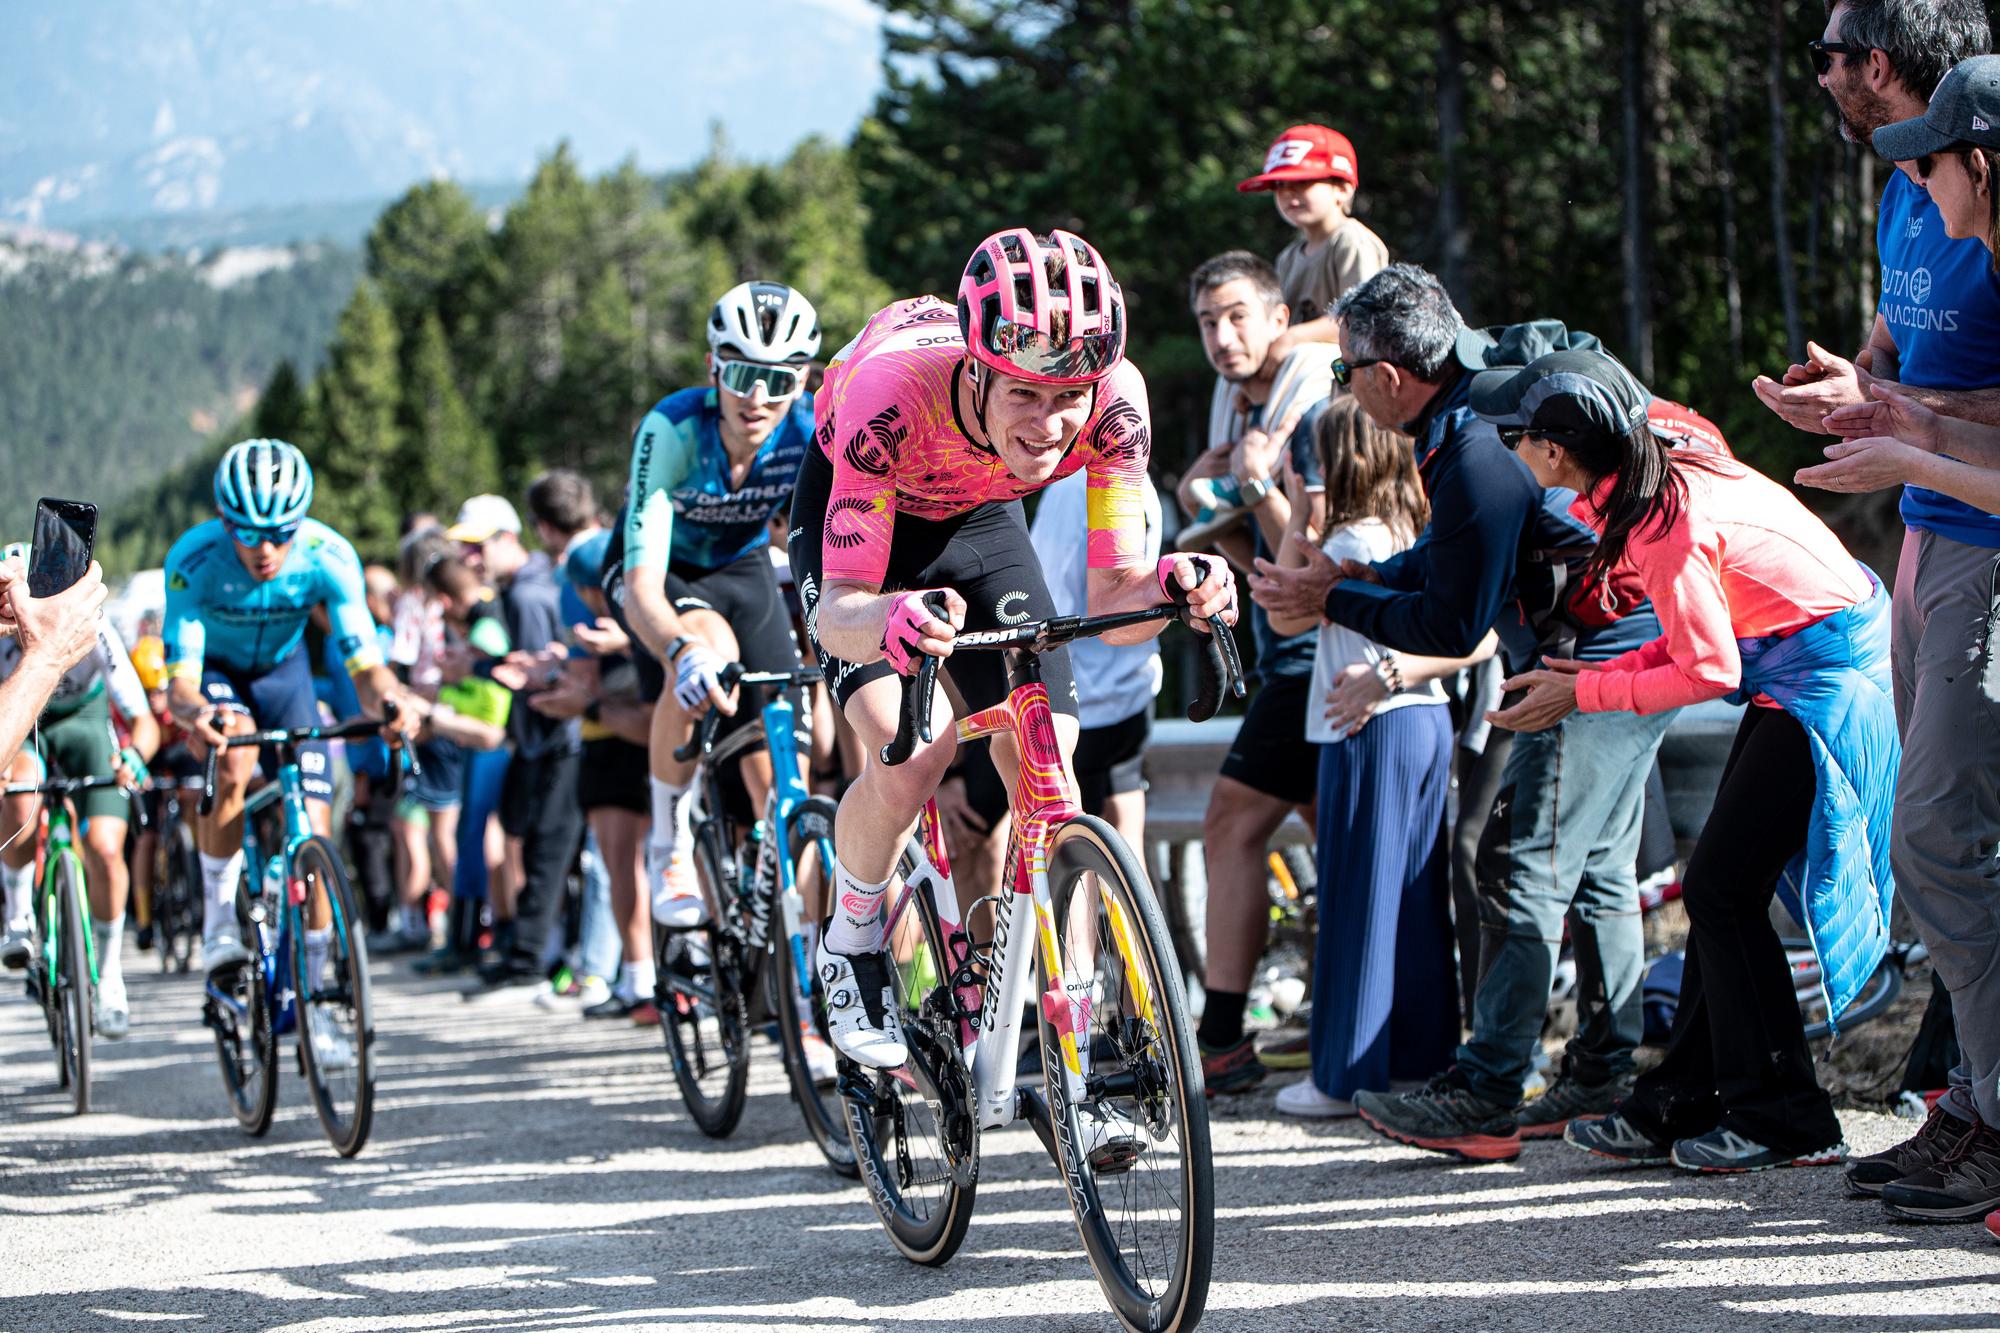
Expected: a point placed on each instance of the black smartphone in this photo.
(65, 533)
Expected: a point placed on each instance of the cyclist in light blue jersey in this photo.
(688, 574)
(240, 589)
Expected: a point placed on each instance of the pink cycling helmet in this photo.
(1042, 309)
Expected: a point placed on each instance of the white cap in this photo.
(482, 516)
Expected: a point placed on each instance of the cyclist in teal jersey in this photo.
(75, 731)
(240, 589)
(687, 573)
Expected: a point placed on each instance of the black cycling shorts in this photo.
(983, 554)
(614, 776)
(743, 592)
(1271, 752)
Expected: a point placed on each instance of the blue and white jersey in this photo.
(681, 508)
(218, 615)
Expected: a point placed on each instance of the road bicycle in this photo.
(176, 885)
(708, 973)
(62, 969)
(1123, 1114)
(250, 1006)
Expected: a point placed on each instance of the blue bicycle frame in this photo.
(273, 910)
(788, 793)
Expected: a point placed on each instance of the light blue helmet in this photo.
(263, 484)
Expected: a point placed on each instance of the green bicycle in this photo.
(62, 973)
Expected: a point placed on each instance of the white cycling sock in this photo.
(673, 819)
(19, 882)
(109, 937)
(218, 900)
(318, 942)
(644, 978)
(855, 925)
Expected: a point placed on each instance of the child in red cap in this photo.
(1313, 171)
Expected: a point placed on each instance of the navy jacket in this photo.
(1487, 547)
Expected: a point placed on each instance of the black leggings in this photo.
(1738, 1057)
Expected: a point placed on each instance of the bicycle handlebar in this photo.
(1222, 666)
(339, 731)
(733, 675)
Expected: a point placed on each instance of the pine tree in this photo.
(281, 408)
(352, 435)
(447, 453)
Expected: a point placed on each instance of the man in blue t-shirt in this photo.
(1264, 411)
(1937, 333)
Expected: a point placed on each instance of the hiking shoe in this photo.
(1234, 1068)
(1725, 1152)
(1445, 1116)
(1963, 1186)
(861, 1015)
(1567, 1099)
(1931, 1145)
(1305, 1100)
(1616, 1137)
(1292, 1051)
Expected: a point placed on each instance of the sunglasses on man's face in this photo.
(254, 537)
(1343, 369)
(1823, 52)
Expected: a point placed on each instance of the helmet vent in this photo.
(1011, 246)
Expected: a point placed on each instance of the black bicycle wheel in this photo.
(238, 1011)
(913, 1130)
(177, 897)
(798, 998)
(1130, 1119)
(1881, 990)
(336, 1026)
(73, 983)
(1186, 910)
(703, 1015)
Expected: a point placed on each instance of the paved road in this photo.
(529, 1171)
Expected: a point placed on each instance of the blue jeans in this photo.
(1562, 840)
(599, 947)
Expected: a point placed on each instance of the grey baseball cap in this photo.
(1562, 395)
(1964, 109)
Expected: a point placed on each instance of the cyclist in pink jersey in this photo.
(931, 425)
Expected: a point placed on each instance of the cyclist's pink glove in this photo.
(907, 617)
(1170, 587)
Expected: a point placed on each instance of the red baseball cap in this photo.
(1306, 153)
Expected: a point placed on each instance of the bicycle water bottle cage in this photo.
(972, 966)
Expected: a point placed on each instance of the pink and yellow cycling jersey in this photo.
(887, 420)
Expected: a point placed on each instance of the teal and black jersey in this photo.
(681, 508)
(217, 614)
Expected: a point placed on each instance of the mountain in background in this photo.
(207, 109)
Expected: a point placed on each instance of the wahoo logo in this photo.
(1979, 123)
(1007, 617)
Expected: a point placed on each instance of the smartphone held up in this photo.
(65, 536)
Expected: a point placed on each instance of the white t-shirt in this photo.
(1339, 647)
(1113, 681)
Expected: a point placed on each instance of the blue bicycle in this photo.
(291, 873)
(756, 878)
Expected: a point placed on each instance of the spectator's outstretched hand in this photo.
(59, 630)
(1889, 411)
(1812, 391)
(1295, 594)
(1863, 465)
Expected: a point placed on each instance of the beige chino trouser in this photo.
(1946, 848)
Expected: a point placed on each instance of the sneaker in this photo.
(1305, 1100)
(1993, 1225)
(861, 1012)
(592, 990)
(223, 949)
(613, 1005)
(1112, 1140)
(443, 963)
(109, 1013)
(1446, 1116)
(1293, 1051)
(509, 974)
(1233, 1068)
(1547, 1116)
(394, 943)
(1962, 1186)
(17, 944)
(332, 1052)
(142, 940)
(1616, 1137)
(1931, 1145)
(1725, 1152)
(645, 1014)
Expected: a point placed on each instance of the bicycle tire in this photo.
(1149, 1073)
(1884, 984)
(73, 984)
(337, 1006)
(879, 1109)
(704, 1017)
(246, 1043)
(810, 832)
(176, 893)
(1187, 923)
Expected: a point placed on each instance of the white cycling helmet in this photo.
(764, 321)
(263, 484)
(16, 551)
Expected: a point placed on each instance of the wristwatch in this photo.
(1253, 490)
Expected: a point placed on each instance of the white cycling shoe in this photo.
(861, 1012)
(18, 944)
(222, 949)
(677, 901)
(110, 1014)
(332, 1052)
